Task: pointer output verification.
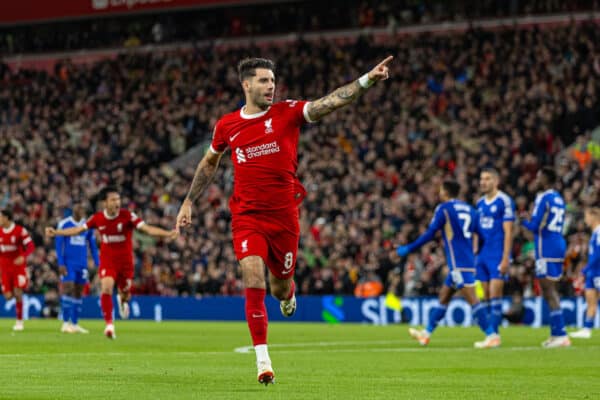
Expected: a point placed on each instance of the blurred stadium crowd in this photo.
(512, 99)
(264, 19)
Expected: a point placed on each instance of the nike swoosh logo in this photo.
(232, 138)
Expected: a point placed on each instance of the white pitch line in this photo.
(248, 349)
(303, 348)
(242, 350)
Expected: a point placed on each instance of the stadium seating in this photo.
(514, 99)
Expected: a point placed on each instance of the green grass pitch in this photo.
(196, 360)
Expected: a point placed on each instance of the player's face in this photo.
(77, 211)
(443, 195)
(587, 218)
(113, 202)
(488, 182)
(539, 182)
(260, 88)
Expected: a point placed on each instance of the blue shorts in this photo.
(458, 278)
(548, 269)
(592, 278)
(488, 268)
(76, 275)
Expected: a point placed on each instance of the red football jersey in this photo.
(13, 243)
(116, 243)
(264, 152)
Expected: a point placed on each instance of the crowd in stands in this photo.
(512, 99)
(262, 19)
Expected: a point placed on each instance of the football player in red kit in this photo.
(263, 137)
(115, 226)
(15, 246)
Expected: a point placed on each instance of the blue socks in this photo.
(588, 322)
(76, 310)
(435, 317)
(496, 314)
(66, 305)
(557, 323)
(480, 315)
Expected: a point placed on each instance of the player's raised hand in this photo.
(381, 70)
(50, 231)
(184, 218)
(402, 251)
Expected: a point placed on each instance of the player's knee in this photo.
(106, 290)
(8, 295)
(253, 272)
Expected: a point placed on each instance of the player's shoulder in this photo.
(505, 199)
(230, 117)
(480, 201)
(289, 105)
(97, 215)
(555, 197)
(21, 230)
(228, 120)
(125, 213)
(64, 222)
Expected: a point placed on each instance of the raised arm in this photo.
(76, 230)
(204, 174)
(436, 224)
(158, 232)
(346, 94)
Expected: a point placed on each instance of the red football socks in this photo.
(19, 309)
(256, 315)
(106, 303)
(292, 290)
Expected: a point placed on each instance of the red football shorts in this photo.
(14, 277)
(274, 238)
(122, 273)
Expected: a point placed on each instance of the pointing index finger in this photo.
(386, 61)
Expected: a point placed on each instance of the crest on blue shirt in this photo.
(493, 208)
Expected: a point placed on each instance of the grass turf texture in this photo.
(196, 360)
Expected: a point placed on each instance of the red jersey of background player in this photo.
(116, 244)
(14, 242)
(264, 152)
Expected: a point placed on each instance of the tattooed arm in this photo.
(204, 173)
(348, 93)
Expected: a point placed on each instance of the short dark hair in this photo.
(247, 67)
(7, 213)
(550, 175)
(451, 187)
(490, 170)
(107, 190)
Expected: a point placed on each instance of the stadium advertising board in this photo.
(328, 309)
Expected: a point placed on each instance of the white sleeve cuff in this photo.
(212, 150)
(140, 224)
(305, 112)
